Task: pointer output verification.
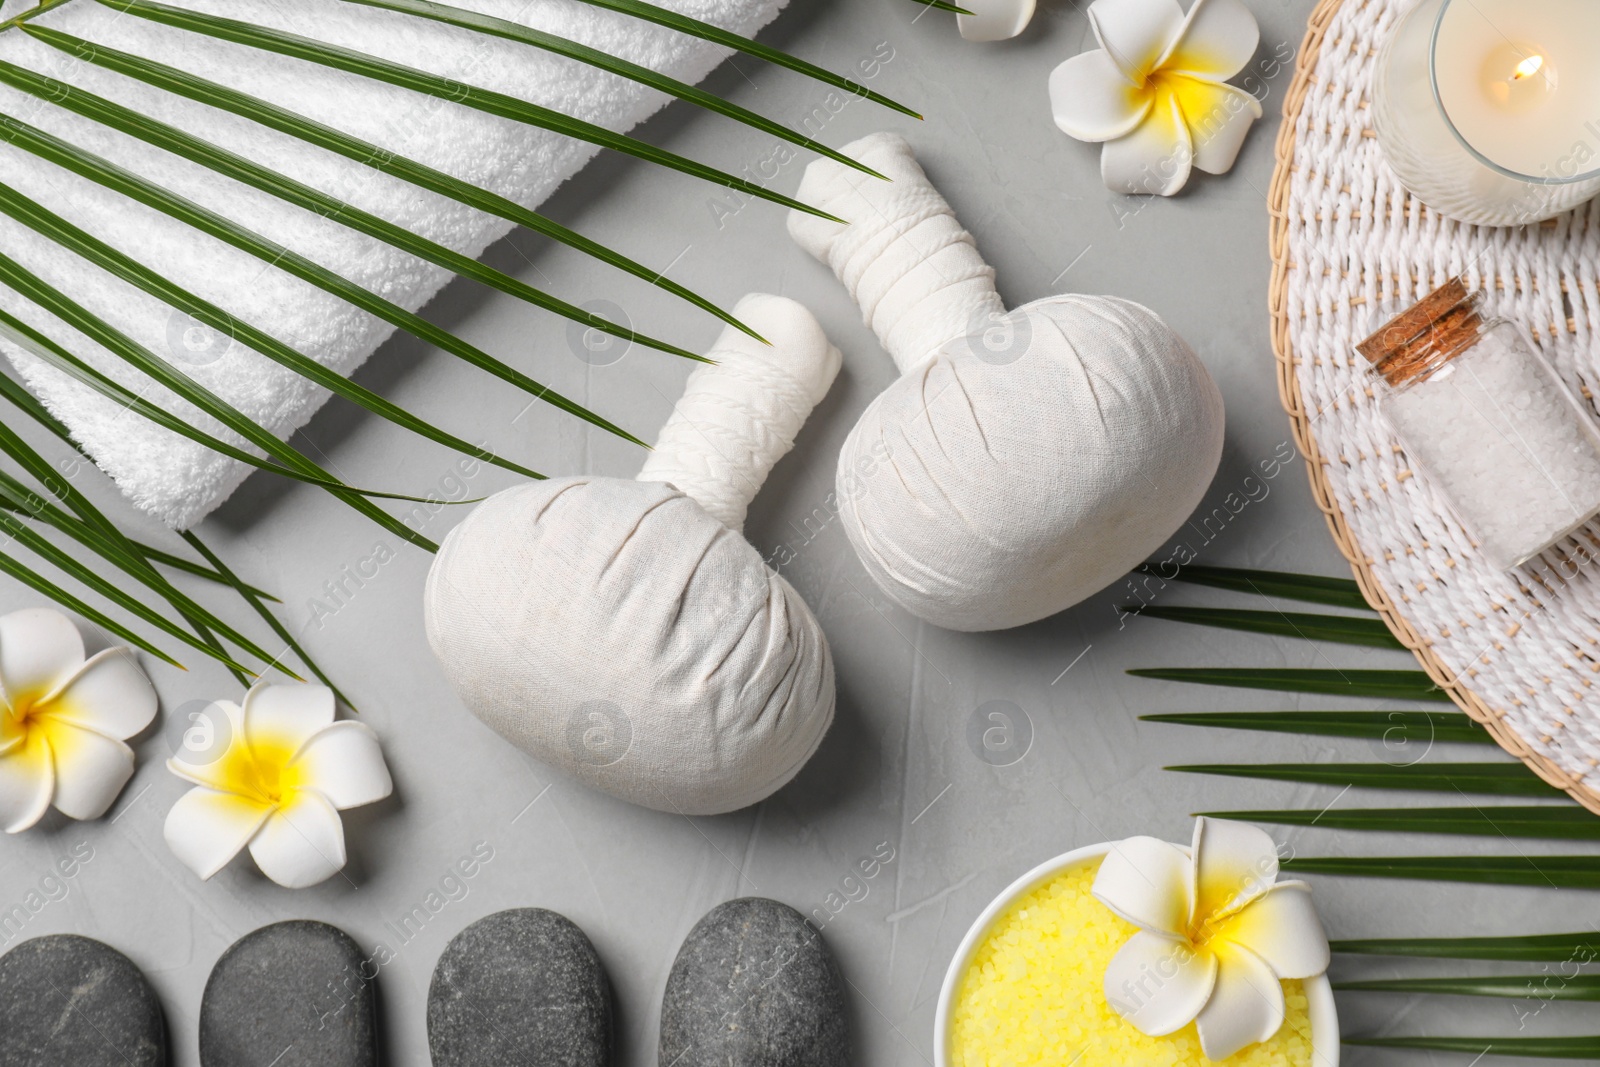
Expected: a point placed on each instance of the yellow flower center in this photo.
(259, 771)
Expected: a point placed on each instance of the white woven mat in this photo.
(1520, 651)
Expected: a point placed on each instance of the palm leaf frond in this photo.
(1556, 823)
(1341, 629)
(1382, 684)
(705, 31)
(351, 61)
(1499, 779)
(1531, 948)
(1555, 872)
(1398, 727)
(561, 46)
(1312, 588)
(1580, 987)
(1553, 1048)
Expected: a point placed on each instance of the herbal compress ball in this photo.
(625, 632)
(1024, 459)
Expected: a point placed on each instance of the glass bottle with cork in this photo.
(1484, 417)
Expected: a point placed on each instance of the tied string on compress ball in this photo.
(624, 631)
(1023, 460)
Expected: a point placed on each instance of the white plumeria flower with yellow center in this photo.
(65, 720)
(273, 775)
(1218, 933)
(1154, 90)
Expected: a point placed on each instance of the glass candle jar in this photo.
(1482, 415)
(1489, 110)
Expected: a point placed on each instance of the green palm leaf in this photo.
(1533, 948)
(1553, 1048)
(31, 578)
(1582, 987)
(1312, 588)
(1399, 727)
(1500, 779)
(301, 195)
(114, 551)
(1565, 823)
(488, 101)
(79, 318)
(705, 31)
(1387, 685)
(214, 94)
(561, 46)
(1367, 632)
(52, 226)
(40, 345)
(251, 598)
(107, 174)
(1557, 872)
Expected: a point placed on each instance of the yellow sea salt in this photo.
(1033, 995)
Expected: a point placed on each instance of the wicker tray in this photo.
(1519, 652)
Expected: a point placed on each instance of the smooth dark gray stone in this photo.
(293, 994)
(522, 987)
(754, 986)
(68, 1001)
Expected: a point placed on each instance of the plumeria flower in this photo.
(1154, 90)
(64, 720)
(273, 775)
(1217, 935)
(994, 20)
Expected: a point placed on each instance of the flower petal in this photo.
(1217, 40)
(1234, 862)
(1159, 984)
(994, 20)
(27, 780)
(1146, 882)
(91, 768)
(344, 764)
(1155, 158)
(284, 716)
(302, 843)
(207, 755)
(205, 829)
(1245, 1008)
(1137, 33)
(1092, 101)
(1217, 116)
(109, 695)
(39, 650)
(1281, 927)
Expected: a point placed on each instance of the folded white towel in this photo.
(169, 476)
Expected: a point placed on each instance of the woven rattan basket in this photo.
(1520, 652)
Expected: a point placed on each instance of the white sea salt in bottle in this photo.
(1483, 417)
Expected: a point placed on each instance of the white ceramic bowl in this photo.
(1319, 994)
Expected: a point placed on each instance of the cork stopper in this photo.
(1418, 341)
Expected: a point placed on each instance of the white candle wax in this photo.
(1489, 110)
(1520, 80)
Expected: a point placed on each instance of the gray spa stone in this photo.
(754, 986)
(293, 994)
(521, 987)
(68, 1001)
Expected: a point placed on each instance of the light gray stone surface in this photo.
(900, 831)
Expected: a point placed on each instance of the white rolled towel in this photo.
(180, 481)
(625, 632)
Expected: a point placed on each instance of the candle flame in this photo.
(1527, 68)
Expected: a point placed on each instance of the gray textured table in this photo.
(897, 775)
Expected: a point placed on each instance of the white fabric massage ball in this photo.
(625, 632)
(1023, 460)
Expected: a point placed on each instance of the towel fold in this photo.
(173, 478)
